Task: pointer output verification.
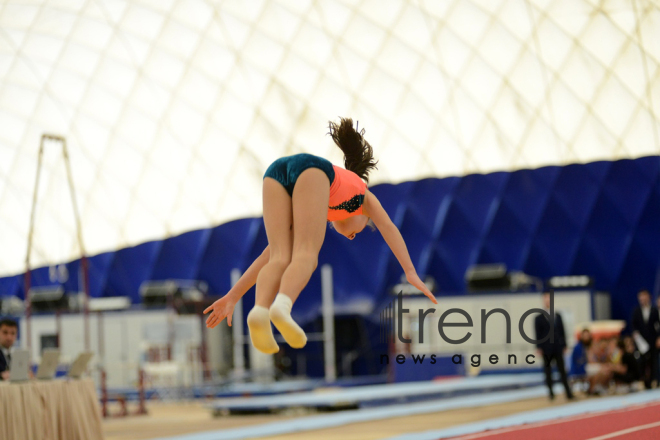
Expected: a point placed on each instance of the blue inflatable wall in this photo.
(600, 219)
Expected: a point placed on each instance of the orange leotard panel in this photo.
(346, 195)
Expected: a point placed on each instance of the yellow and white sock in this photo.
(261, 333)
(280, 314)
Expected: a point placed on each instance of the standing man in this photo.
(646, 326)
(8, 331)
(552, 349)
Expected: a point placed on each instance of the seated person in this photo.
(627, 371)
(599, 368)
(579, 357)
(614, 352)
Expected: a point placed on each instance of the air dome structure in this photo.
(172, 110)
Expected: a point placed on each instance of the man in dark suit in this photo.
(552, 348)
(8, 331)
(646, 323)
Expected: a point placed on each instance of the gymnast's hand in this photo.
(414, 279)
(221, 309)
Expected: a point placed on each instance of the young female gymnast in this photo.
(300, 194)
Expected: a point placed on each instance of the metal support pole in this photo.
(84, 265)
(101, 350)
(142, 407)
(28, 312)
(84, 262)
(76, 214)
(58, 329)
(171, 311)
(328, 324)
(203, 353)
(28, 302)
(104, 394)
(237, 329)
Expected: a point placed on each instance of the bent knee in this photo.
(280, 261)
(306, 258)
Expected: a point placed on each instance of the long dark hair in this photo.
(358, 154)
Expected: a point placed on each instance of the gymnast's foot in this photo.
(261, 333)
(280, 314)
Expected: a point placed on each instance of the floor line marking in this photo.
(549, 423)
(590, 406)
(626, 431)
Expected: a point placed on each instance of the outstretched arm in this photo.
(224, 307)
(394, 240)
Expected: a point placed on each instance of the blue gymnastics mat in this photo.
(242, 389)
(375, 395)
(315, 422)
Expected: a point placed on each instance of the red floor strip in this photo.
(647, 434)
(618, 425)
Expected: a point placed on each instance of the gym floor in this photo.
(168, 419)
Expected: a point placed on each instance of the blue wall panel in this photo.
(600, 219)
(129, 268)
(179, 256)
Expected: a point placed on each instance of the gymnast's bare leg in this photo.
(278, 218)
(310, 209)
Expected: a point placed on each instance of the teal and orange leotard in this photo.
(346, 195)
(347, 190)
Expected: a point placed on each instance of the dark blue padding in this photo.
(180, 256)
(129, 268)
(12, 286)
(599, 219)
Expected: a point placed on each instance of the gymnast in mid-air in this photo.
(300, 194)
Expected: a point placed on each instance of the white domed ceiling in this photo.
(172, 110)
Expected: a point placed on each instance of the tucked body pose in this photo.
(301, 193)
